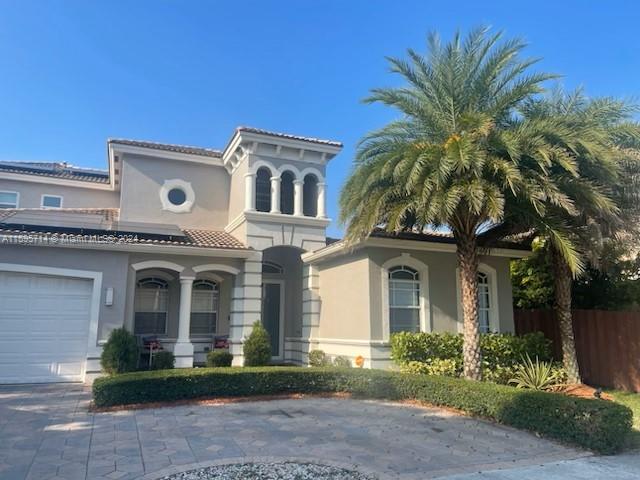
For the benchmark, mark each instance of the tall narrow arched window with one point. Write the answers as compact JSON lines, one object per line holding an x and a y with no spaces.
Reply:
{"x":484,"y":303}
{"x":263,"y":190}
{"x":286,"y":193}
{"x":310,"y":196}
{"x":205,"y":297}
{"x":150,"y":305}
{"x":404,"y":300}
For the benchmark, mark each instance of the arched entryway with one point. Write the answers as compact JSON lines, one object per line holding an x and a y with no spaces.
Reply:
{"x":281,"y":296}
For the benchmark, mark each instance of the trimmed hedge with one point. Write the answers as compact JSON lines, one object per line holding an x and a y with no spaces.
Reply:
{"x":595,"y":424}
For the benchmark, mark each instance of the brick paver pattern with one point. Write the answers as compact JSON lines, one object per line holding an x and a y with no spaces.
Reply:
{"x":48,"y":432}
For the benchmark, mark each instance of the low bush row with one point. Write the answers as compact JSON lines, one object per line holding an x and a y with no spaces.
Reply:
{"x":595,"y":424}
{"x":441,"y":353}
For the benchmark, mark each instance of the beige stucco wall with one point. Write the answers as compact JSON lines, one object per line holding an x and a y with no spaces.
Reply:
{"x":352,"y":297}
{"x":142,"y":178}
{"x":237,"y":185}
{"x":31,"y":193}
{"x":345,"y":306}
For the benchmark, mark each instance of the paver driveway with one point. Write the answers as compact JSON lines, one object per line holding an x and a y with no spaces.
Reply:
{"x":47,"y":432}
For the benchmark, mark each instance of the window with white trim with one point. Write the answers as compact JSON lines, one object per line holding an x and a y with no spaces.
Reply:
{"x":8,"y":199}
{"x":205,"y":297}
{"x":484,"y":303}
{"x":51,"y":201}
{"x":404,"y":300}
{"x":151,"y":301}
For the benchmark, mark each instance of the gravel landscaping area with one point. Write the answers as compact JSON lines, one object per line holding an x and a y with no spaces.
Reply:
{"x":270,"y":471}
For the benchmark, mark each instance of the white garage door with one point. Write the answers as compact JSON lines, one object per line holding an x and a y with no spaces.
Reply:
{"x":44,"y":327}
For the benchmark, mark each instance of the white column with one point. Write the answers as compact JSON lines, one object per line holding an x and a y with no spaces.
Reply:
{"x":246,"y":305}
{"x":275,"y":194}
{"x":183,"y":349}
{"x":297,"y":197}
{"x":249,"y":192}
{"x":322,"y":209}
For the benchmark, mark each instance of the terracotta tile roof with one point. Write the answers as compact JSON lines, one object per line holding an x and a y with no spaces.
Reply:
{"x":260,"y":131}
{"x":212,"y":239}
{"x":56,"y":170}
{"x":168,"y":147}
{"x":443,"y":237}
{"x":192,"y":237}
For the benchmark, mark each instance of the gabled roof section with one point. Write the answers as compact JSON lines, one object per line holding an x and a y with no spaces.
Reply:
{"x":260,"y":131}
{"x":60,"y":170}
{"x":167,"y":147}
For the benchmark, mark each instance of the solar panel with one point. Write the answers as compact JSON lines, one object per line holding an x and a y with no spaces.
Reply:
{"x":52,"y":220}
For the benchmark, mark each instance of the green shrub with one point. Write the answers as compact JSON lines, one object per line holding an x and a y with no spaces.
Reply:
{"x":163,"y":361}
{"x":219,"y":358}
{"x":442,"y":353}
{"x":536,"y":375}
{"x":317,"y":358}
{"x":596,"y":424}
{"x":120,"y":353}
{"x":257,"y":348}
{"x":341,"y":362}
{"x":435,"y":366}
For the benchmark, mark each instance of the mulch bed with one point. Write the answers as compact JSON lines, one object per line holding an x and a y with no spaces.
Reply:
{"x":585,"y":391}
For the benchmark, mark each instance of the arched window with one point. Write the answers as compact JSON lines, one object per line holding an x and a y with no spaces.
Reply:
{"x":263,"y":190}
{"x":205,"y":297}
{"x":150,"y":305}
{"x":271,"y":267}
{"x":310,"y":196}
{"x":286,"y":193}
{"x":404,"y":300}
{"x":484,"y":303}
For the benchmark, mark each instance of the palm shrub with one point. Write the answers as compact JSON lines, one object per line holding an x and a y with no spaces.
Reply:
{"x":120,"y":353}
{"x":459,"y":153}
{"x":537,"y":375}
{"x":257,"y":347}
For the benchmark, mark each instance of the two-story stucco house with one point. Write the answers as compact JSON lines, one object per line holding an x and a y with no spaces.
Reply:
{"x":188,"y":244}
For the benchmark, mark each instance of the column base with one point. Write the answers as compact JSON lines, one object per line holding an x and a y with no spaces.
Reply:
{"x":183,"y":352}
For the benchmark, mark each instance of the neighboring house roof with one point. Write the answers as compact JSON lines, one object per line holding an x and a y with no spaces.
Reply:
{"x":56,"y":170}
{"x":188,"y":238}
{"x":260,"y":131}
{"x":169,"y":147}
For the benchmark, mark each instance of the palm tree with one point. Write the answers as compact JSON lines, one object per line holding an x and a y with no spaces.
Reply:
{"x":604,"y":196}
{"x":459,"y":153}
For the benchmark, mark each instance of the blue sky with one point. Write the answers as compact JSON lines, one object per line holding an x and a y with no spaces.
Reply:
{"x":74,"y":73}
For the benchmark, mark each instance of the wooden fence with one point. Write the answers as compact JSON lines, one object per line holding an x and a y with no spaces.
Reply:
{"x":607,"y":343}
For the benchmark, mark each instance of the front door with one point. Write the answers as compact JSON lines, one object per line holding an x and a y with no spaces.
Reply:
{"x":273,"y":315}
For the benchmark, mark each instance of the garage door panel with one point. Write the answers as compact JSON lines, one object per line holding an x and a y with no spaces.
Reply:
{"x":44,"y":322}
{"x":13,"y":302}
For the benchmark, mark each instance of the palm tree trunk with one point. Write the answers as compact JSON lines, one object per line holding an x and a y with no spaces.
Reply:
{"x":562,"y":291}
{"x":468,"y":263}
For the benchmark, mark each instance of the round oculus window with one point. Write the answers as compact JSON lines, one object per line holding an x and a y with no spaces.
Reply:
{"x":177,"y":196}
